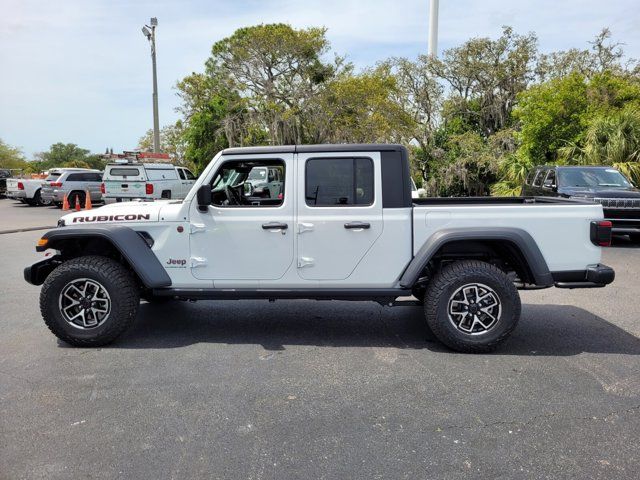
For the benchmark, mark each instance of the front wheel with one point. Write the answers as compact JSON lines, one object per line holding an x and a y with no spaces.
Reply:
{"x":471,"y":306}
{"x":89,"y":301}
{"x":635,"y":237}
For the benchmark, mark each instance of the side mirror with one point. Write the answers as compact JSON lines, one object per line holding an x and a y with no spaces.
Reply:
{"x":248,"y":189}
{"x":204,"y":197}
{"x":549,"y":185}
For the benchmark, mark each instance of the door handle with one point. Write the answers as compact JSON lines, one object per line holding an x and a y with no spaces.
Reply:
{"x":357,"y":225}
{"x":274,"y":226}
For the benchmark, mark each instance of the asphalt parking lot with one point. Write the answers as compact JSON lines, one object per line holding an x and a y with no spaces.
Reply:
{"x":305,"y":389}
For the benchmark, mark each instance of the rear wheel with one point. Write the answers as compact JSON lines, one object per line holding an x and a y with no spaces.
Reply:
{"x":37,"y":200}
{"x":89,"y":301}
{"x":471,"y":306}
{"x":635,"y":237}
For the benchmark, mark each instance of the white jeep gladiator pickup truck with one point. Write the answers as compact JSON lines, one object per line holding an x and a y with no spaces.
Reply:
{"x":344,"y":227}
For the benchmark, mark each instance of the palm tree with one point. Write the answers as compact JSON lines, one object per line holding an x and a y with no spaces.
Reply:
{"x":610,"y":140}
{"x":513,"y":170}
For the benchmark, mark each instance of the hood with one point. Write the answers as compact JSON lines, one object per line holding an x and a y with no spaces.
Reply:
{"x":125,"y":212}
{"x":602,"y":192}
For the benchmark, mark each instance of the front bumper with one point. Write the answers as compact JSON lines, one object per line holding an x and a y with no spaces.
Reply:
{"x":37,"y":273}
{"x":595,"y":276}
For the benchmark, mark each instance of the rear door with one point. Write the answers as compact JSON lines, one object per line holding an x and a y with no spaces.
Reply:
{"x":124,"y":181}
{"x":339,"y":212}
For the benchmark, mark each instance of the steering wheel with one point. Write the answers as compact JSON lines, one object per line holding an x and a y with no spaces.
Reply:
{"x":232,"y":196}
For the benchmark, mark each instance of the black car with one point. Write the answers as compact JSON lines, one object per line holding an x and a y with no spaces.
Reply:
{"x":619,"y":198}
{"x":4,"y":174}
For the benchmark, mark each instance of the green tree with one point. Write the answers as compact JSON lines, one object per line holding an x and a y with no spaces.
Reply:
{"x":485,"y":76}
{"x":172,"y":141}
{"x":610,"y":139}
{"x":361,"y":109}
{"x":11,"y":157}
{"x":557,"y":113}
{"x":66,"y":155}
{"x":274,"y":70}
{"x":603,"y":55}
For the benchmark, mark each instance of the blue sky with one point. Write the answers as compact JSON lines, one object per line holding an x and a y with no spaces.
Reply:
{"x":79,"y":70}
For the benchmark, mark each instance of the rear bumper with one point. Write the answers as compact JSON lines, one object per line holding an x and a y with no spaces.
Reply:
{"x":52,"y":195}
{"x":595,"y":276}
{"x":17,"y":195}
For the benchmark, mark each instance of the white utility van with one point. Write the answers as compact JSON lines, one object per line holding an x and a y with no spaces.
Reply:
{"x":123,"y":182}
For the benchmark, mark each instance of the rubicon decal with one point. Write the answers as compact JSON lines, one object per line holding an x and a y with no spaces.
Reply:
{"x":113,"y":218}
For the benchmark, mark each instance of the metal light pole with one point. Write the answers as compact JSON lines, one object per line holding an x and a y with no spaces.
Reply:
{"x":433,"y":28}
{"x":149,"y":31}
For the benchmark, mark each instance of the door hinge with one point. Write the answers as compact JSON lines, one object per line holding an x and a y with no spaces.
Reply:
{"x":305,"y":227}
{"x":198,"y":262}
{"x":198,"y":227}
{"x":305,"y":262}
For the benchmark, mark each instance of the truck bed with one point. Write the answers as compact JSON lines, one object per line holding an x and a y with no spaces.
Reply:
{"x":560,"y":227}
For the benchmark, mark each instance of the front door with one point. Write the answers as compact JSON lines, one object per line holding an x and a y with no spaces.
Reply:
{"x":245,"y":235}
{"x":339,"y":212}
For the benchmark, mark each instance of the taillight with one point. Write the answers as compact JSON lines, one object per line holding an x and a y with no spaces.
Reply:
{"x":149,"y":188}
{"x":601,"y":233}
{"x":103,"y":189}
{"x":56,"y":184}
{"x":20,"y":186}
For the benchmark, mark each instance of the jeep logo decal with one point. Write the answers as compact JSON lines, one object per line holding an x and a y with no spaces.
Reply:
{"x":113,"y":218}
{"x":176,"y":262}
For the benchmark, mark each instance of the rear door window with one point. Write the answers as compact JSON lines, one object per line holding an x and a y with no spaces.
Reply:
{"x":334,"y":182}
{"x":181,"y":173}
{"x":75,"y":177}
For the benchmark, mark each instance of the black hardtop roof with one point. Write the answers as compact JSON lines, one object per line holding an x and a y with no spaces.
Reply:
{"x":328,"y":147}
{"x":576,"y":166}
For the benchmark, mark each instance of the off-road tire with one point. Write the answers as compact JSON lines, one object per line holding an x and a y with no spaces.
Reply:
{"x":443,"y":286}
{"x":114,"y":277}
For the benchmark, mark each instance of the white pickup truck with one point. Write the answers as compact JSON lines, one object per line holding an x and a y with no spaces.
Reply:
{"x":123,"y":182}
{"x":344,"y":227}
{"x":26,"y":190}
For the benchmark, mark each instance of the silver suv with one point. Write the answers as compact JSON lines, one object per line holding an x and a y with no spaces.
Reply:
{"x":74,"y":182}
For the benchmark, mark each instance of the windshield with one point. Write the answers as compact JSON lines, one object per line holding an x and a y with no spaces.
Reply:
{"x":592,"y":177}
{"x":257,"y":174}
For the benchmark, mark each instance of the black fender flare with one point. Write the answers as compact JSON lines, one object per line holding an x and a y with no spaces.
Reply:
{"x":516,"y":236}
{"x":129,"y":243}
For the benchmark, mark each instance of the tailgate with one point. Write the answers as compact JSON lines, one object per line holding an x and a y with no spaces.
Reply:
{"x":125,"y":189}
{"x":12,"y":184}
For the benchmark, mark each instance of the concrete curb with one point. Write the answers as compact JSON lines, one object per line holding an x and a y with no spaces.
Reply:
{"x":27,"y":229}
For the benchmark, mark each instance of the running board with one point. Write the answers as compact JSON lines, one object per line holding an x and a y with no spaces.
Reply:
{"x":383,"y":296}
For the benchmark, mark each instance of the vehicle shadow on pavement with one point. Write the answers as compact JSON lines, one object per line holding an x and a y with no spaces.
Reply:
{"x":550,"y":330}
{"x":623,"y":242}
